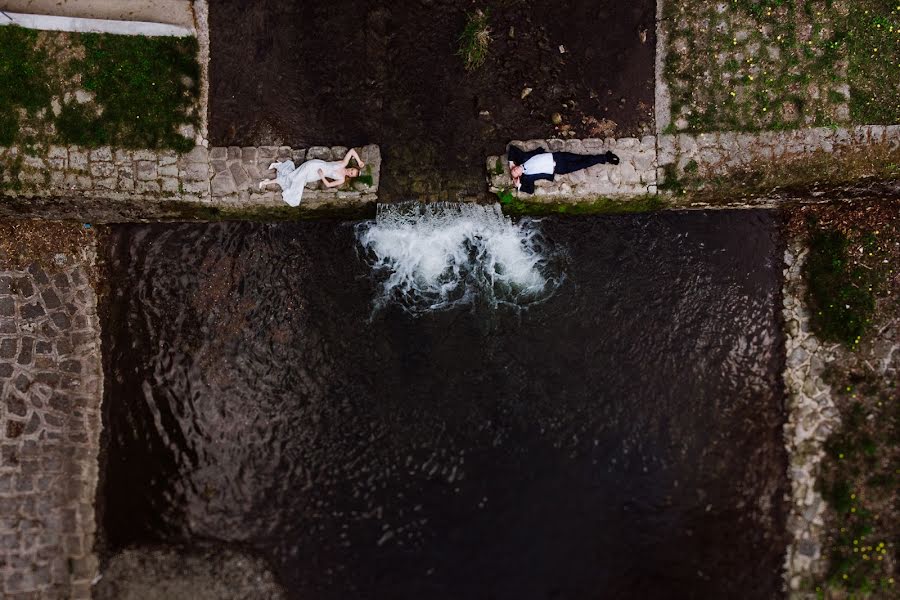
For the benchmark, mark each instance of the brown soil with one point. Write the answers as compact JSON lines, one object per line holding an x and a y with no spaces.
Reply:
{"x":25,"y":242}
{"x":352,"y":72}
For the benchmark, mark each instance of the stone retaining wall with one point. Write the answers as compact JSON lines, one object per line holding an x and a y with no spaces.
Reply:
{"x":51,"y":383}
{"x":717,"y":154}
{"x":812,"y":417}
{"x":219,"y":176}
{"x":646,"y":163}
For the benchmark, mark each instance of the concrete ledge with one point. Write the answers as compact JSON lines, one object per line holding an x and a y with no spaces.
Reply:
{"x":173,"y":12}
{"x":85,"y":25}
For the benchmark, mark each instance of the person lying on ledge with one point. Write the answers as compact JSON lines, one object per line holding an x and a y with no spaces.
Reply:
{"x":293,"y":179}
{"x":528,"y":167}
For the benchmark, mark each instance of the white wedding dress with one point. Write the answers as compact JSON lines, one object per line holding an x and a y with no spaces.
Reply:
{"x":293,"y":179}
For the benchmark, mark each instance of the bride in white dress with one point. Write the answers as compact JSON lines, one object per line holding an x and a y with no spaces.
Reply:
{"x":293,"y":179}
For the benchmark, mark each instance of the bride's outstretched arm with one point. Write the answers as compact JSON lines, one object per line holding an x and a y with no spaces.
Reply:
{"x":352,"y":154}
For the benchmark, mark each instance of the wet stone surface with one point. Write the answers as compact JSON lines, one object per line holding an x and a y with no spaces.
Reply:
{"x":50,"y":381}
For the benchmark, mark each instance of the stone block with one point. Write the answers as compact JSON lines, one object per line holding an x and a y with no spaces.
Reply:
{"x":218,"y":165}
{"x":338,"y":152}
{"x":196,"y":172}
{"x":666,"y":152}
{"x":196,"y":187}
{"x":33,"y":162}
{"x":876,"y":134}
{"x":104,"y":153}
{"x":219,"y":153}
{"x":105,"y":183}
{"x":170,"y":185}
{"x":146,"y":170}
{"x":298,"y":155}
{"x":644,"y":161}
{"x":123,"y":156}
{"x":102,"y":169}
{"x":198,"y":154}
{"x":167,"y":157}
{"x":241,"y":179}
{"x":223,"y":184}
{"x":627,"y":143}
{"x":83,"y":182}
{"x":145,"y":155}
{"x":78,"y":160}
{"x":576,"y":146}
{"x":318,"y":152}
{"x":147,"y":187}
{"x":555,"y":145}
{"x":594,"y":145}
{"x":249,"y":155}
{"x":170,"y":170}
{"x":58,"y":152}
{"x":266,"y":153}
{"x":686,"y":144}
{"x":284,"y":152}
{"x":125,"y":183}
{"x":56,"y":164}
{"x":234,"y":153}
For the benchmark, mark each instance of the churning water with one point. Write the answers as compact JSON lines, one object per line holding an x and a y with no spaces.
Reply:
{"x":430,"y":256}
{"x":620,"y":439}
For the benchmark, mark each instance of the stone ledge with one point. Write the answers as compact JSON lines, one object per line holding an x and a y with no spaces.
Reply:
{"x":215,"y":177}
{"x":635,"y":175}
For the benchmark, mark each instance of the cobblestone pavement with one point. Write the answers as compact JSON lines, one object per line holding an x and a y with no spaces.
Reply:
{"x":753,"y":65}
{"x":218,"y":176}
{"x":648,"y":163}
{"x":51,"y":379}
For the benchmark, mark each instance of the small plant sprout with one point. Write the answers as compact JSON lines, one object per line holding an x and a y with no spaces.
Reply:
{"x":475,"y":39}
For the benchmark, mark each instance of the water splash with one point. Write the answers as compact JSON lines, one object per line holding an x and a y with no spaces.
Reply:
{"x":432,"y":256}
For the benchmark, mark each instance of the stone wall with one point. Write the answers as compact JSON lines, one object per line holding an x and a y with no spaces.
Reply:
{"x":704,"y":158}
{"x":635,"y":175}
{"x":51,"y":379}
{"x":219,"y":176}
{"x":709,"y":155}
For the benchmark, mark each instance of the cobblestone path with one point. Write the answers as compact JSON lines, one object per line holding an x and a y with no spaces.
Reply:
{"x":51,"y":380}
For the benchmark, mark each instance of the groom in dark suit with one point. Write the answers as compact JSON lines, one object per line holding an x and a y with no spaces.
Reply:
{"x":528,"y":167}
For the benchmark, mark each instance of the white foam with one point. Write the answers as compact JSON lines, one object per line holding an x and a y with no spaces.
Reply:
{"x":437,"y":255}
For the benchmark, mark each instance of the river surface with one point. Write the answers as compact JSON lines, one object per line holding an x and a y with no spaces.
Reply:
{"x":616,"y":432}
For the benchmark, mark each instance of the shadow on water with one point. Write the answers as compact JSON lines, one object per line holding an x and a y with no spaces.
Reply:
{"x":620,"y":439}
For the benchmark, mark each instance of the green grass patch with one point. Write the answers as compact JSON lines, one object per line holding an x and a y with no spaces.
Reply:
{"x":861,"y":460}
{"x":874,"y":61}
{"x":840,"y":293}
{"x":475,"y":39}
{"x":365,"y":178}
{"x":143,"y":89}
{"x":146,"y":86}
{"x":23,"y":79}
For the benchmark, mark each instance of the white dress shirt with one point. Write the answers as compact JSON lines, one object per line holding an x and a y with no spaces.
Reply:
{"x":540,"y":164}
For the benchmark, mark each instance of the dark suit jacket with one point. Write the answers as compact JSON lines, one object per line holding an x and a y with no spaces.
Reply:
{"x":519,"y":156}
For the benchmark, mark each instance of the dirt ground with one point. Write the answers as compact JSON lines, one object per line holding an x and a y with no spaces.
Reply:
{"x":352,"y":72}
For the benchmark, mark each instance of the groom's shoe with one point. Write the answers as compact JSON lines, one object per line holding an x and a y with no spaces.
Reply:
{"x":611,"y":158}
